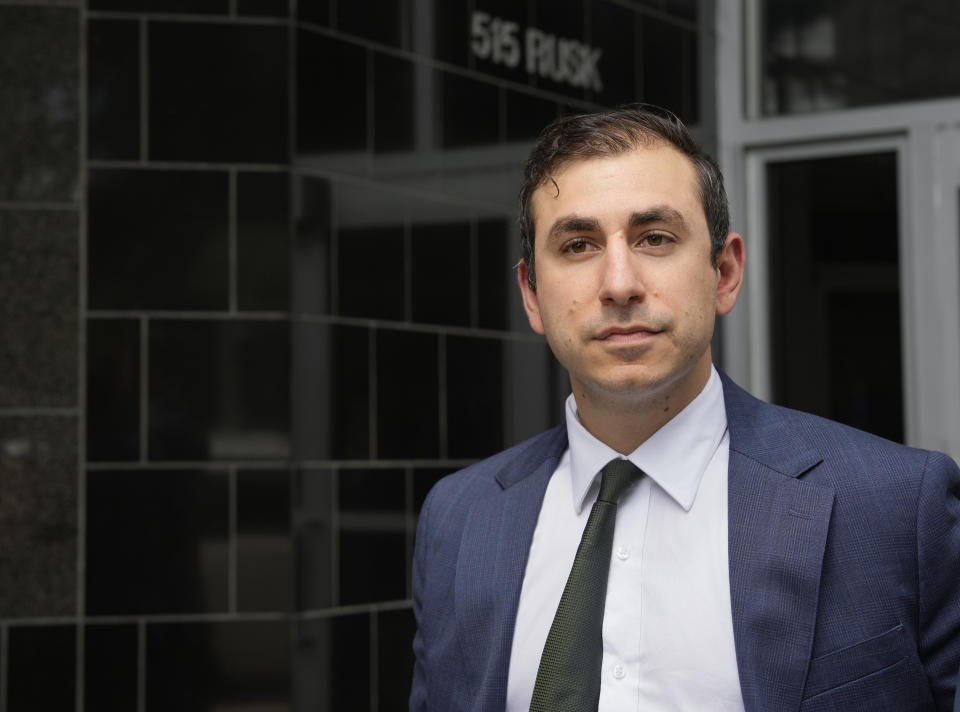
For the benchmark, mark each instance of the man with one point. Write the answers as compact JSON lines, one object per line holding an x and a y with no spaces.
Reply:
{"x":750,"y":557}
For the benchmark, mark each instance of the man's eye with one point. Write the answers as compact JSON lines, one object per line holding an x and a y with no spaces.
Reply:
{"x":655,"y":239}
{"x":577,"y":246}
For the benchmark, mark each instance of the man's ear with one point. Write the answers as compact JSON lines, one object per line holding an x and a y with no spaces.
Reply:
{"x":530,"y":302}
{"x":730,"y":265}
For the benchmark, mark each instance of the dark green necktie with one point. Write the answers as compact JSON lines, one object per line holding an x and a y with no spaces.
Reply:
{"x":569,"y":676}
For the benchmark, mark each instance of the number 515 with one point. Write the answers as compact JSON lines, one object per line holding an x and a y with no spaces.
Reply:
{"x":495,"y":39}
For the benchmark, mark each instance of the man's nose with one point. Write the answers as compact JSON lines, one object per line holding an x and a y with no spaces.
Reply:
{"x":621,"y":281}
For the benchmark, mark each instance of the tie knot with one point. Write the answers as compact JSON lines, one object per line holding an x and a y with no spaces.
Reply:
{"x":615,"y":477}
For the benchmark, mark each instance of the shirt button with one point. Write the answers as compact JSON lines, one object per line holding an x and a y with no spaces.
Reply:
{"x":618,"y":672}
{"x":623,"y":553}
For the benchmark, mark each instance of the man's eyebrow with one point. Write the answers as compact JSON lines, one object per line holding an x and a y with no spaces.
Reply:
{"x":572,"y":223}
{"x":658,"y":214}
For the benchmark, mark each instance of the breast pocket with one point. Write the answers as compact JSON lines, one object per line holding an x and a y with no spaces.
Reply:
{"x":880,"y":673}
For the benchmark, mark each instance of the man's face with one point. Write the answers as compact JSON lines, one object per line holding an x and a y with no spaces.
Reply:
{"x":626,"y":290}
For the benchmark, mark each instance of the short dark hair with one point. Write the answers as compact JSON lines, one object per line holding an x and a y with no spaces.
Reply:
{"x":610,"y":133}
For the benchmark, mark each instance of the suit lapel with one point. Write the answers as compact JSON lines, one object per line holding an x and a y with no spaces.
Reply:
{"x":777,"y":531}
{"x":490,"y":567}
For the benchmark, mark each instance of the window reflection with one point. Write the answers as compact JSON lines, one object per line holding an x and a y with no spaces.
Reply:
{"x":819,"y":55}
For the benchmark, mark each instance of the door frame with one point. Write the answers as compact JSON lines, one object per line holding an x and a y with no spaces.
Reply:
{"x":757,"y":227}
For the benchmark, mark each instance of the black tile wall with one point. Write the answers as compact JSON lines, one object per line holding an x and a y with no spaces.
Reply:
{"x":451,"y":22}
{"x":158,"y":239}
{"x":535,"y":388}
{"x":330,"y":73}
{"x":619,"y":27}
{"x":362,"y":491}
{"x":316,"y":12}
{"x":330,"y":403}
{"x":495,"y":270}
{"x":264,"y":8}
{"x":686,"y":9}
{"x":370,"y":272}
{"x":200,"y":7}
{"x":40,"y":118}
{"x":563,"y":18}
{"x":263,"y":241}
{"x":372,"y":566}
{"x":471,"y":111}
{"x":408,"y":394}
{"x":527,"y":115}
{"x":219,"y":390}
{"x":204,"y":666}
{"x":157,"y":541}
{"x":113,"y":89}
{"x":395,"y":630}
{"x":38,"y":516}
{"x":350,"y":392}
{"x":218,"y":92}
{"x":110,"y":667}
{"x":393,"y":110}
{"x":519,"y":12}
{"x":474,"y":396}
{"x":314,"y":505}
{"x":668,"y":46}
{"x":332,"y":663}
{"x":41,"y":664}
{"x":440,"y":273}
{"x":263,"y":541}
{"x":113,"y":389}
{"x":373,"y":536}
{"x":377,"y":20}
{"x":38,"y":311}
{"x":310,"y":270}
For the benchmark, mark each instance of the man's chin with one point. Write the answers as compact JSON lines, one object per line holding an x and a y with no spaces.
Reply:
{"x":634,"y":386}
{"x":628,"y":388}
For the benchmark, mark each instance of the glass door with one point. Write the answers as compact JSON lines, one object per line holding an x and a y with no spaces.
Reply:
{"x":835,"y":289}
{"x":827,"y":264}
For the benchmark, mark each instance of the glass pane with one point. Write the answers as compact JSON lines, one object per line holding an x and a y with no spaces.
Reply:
{"x":218,"y":92}
{"x":820,"y":55}
{"x":218,"y":665}
{"x":41,"y":665}
{"x":835,"y":291}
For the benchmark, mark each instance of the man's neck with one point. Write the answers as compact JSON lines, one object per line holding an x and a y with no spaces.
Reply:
{"x":625,"y":421}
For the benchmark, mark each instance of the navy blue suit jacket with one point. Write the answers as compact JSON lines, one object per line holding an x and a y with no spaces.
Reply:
{"x":844,"y":557}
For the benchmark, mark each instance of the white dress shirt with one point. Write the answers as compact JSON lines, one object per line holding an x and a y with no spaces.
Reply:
{"x":667,"y":628}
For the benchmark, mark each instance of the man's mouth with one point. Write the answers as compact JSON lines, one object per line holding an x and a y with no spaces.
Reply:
{"x":626,"y":334}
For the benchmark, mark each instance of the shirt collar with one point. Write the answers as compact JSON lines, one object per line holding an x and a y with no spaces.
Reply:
{"x":675,"y":457}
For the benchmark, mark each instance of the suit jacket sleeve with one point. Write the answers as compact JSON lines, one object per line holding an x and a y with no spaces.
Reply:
{"x":938,"y":557}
